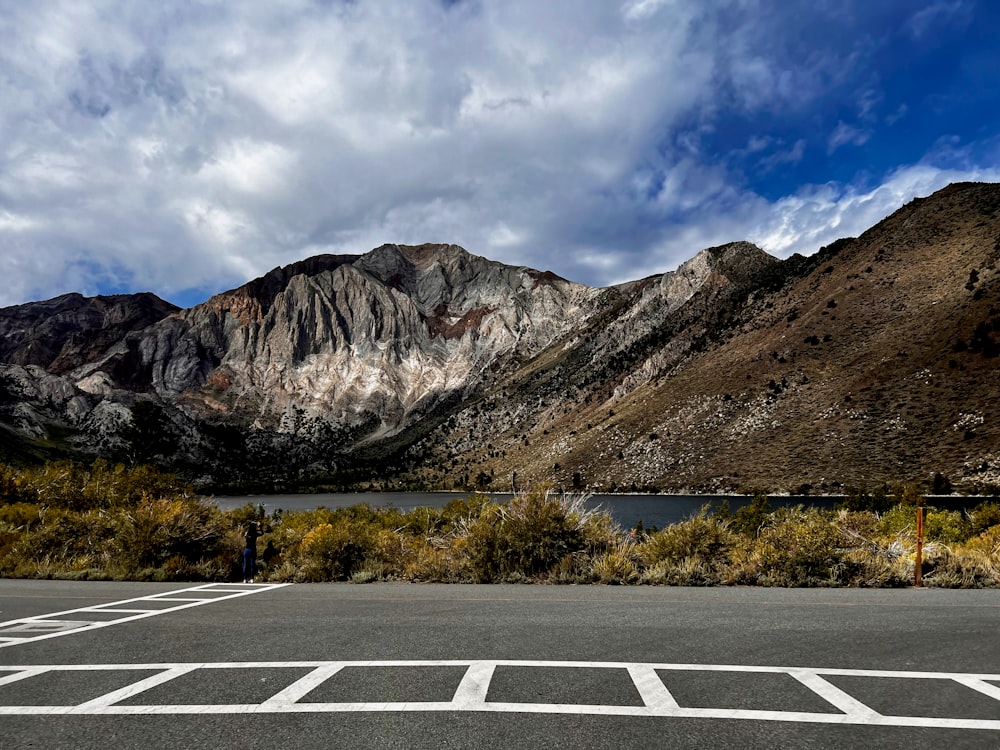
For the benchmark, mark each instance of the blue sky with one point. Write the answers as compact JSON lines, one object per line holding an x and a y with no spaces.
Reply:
{"x":186,"y":147}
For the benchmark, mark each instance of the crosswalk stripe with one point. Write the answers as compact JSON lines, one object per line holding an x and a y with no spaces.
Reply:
{"x":41,"y":627}
{"x":472,"y":692}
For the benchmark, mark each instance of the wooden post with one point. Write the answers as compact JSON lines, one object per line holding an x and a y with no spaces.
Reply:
{"x":918,"y":579}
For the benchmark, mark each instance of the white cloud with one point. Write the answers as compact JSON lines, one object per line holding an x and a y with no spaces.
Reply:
{"x":640,"y":10}
{"x":818,"y":215}
{"x":925,"y":19}
{"x":192,"y":146}
{"x":251,"y":166}
{"x":13,"y":223}
{"x":847,"y":135}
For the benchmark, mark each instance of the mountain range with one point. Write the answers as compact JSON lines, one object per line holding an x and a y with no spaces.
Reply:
{"x":873,"y":360}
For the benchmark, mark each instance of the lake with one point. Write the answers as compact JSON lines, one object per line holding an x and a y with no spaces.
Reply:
{"x":627,"y":510}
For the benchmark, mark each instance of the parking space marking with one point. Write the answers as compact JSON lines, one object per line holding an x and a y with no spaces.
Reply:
{"x":832,"y":694}
{"x":472,"y":692}
{"x":53,"y":625}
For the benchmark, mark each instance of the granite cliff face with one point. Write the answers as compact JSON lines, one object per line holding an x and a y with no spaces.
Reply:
{"x":384,"y":335}
{"x":68,"y":331}
{"x":434,"y":367}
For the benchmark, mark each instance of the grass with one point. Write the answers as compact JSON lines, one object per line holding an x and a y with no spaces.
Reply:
{"x":118,"y":523}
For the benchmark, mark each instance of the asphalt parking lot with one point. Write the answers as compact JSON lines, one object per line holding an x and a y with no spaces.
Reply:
{"x":85,"y":664}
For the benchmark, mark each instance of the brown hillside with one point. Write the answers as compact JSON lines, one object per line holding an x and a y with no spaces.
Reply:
{"x":879,"y":365}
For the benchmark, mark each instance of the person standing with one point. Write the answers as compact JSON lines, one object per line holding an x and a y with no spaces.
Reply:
{"x":250,"y":553}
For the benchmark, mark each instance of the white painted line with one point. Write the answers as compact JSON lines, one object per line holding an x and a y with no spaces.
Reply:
{"x":474,"y":687}
{"x":531,"y":708}
{"x":834,"y":695}
{"x":651,"y":688}
{"x":180,"y":603}
{"x":303,"y":686}
{"x":34,"y":627}
{"x":983,"y":687}
{"x":134,"y":689}
{"x":21,"y":675}
{"x":314,"y":663}
{"x":471,"y":691}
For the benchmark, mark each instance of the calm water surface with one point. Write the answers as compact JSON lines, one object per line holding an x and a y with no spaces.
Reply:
{"x":628,"y":510}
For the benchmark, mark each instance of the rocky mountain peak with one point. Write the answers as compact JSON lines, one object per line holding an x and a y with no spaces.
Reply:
{"x":251,"y":301}
{"x":736,"y":263}
{"x":873,"y":359}
{"x":61,"y":333}
{"x":424,"y":256}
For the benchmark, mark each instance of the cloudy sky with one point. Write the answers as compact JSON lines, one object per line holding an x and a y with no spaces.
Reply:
{"x":187,"y":147}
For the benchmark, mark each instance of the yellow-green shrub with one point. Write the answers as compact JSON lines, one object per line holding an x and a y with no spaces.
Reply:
{"x":155,"y":530}
{"x":798,"y":547}
{"x":617,"y":565}
{"x":703,"y":537}
{"x":521,"y":539}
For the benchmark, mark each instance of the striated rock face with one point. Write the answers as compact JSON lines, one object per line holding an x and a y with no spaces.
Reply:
{"x":389,"y":333}
{"x":873,"y":360}
{"x":668,"y":302}
{"x":68,"y":331}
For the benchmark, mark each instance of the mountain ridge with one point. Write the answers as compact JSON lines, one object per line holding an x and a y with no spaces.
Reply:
{"x":430,"y":366}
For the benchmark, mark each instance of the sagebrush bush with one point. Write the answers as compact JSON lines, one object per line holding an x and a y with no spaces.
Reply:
{"x":426,"y":561}
{"x":703,"y":538}
{"x":987,"y":542}
{"x":522,"y":538}
{"x":72,"y":486}
{"x":156,"y":530}
{"x":61,"y":536}
{"x":105,"y":521}
{"x":335,"y":551}
{"x":960,"y":567}
{"x":688,"y":571}
{"x":983,"y":517}
{"x":574,"y":568}
{"x":617,"y":565}
{"x":798,"y":547}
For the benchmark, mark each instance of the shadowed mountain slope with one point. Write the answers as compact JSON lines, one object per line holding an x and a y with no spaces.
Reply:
{"x":873,"y":360}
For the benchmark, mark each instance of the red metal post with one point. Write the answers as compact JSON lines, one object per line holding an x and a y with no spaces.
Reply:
{"x":917,"y":572}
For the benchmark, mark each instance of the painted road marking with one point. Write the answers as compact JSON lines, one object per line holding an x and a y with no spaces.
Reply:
{"x":472,"y":692}
{"x":40,"y":627}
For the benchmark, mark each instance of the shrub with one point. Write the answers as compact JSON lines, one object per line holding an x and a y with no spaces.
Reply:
{"x":21,"y":516}
{"x":946,"y":526}
{"x":703,"y":537}
{"x":750,"y":518}
{"x":984,"y":516}
{"x":964,"y":566}
{"x":897,"y":520}
{"x":617,"y":565}
{"x":988,"y":542}
{"x":426,"y":561}
{"x":156,"y":530}
{"x":64,"y":484}
{"x":63,"y":538}
{"x":335,"y":551}
{"x":574,"y":568}
{"x":12,"y":486}
{"x":871,"y":568}
{"x":523,"y":538}
{"x":798,"y":547}
{"x":689,"y":571}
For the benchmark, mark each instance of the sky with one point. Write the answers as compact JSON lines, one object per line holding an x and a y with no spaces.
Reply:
{"x":185,"y":148}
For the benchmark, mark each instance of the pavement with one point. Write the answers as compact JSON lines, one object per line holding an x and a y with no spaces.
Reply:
{"x":88,"y":664}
